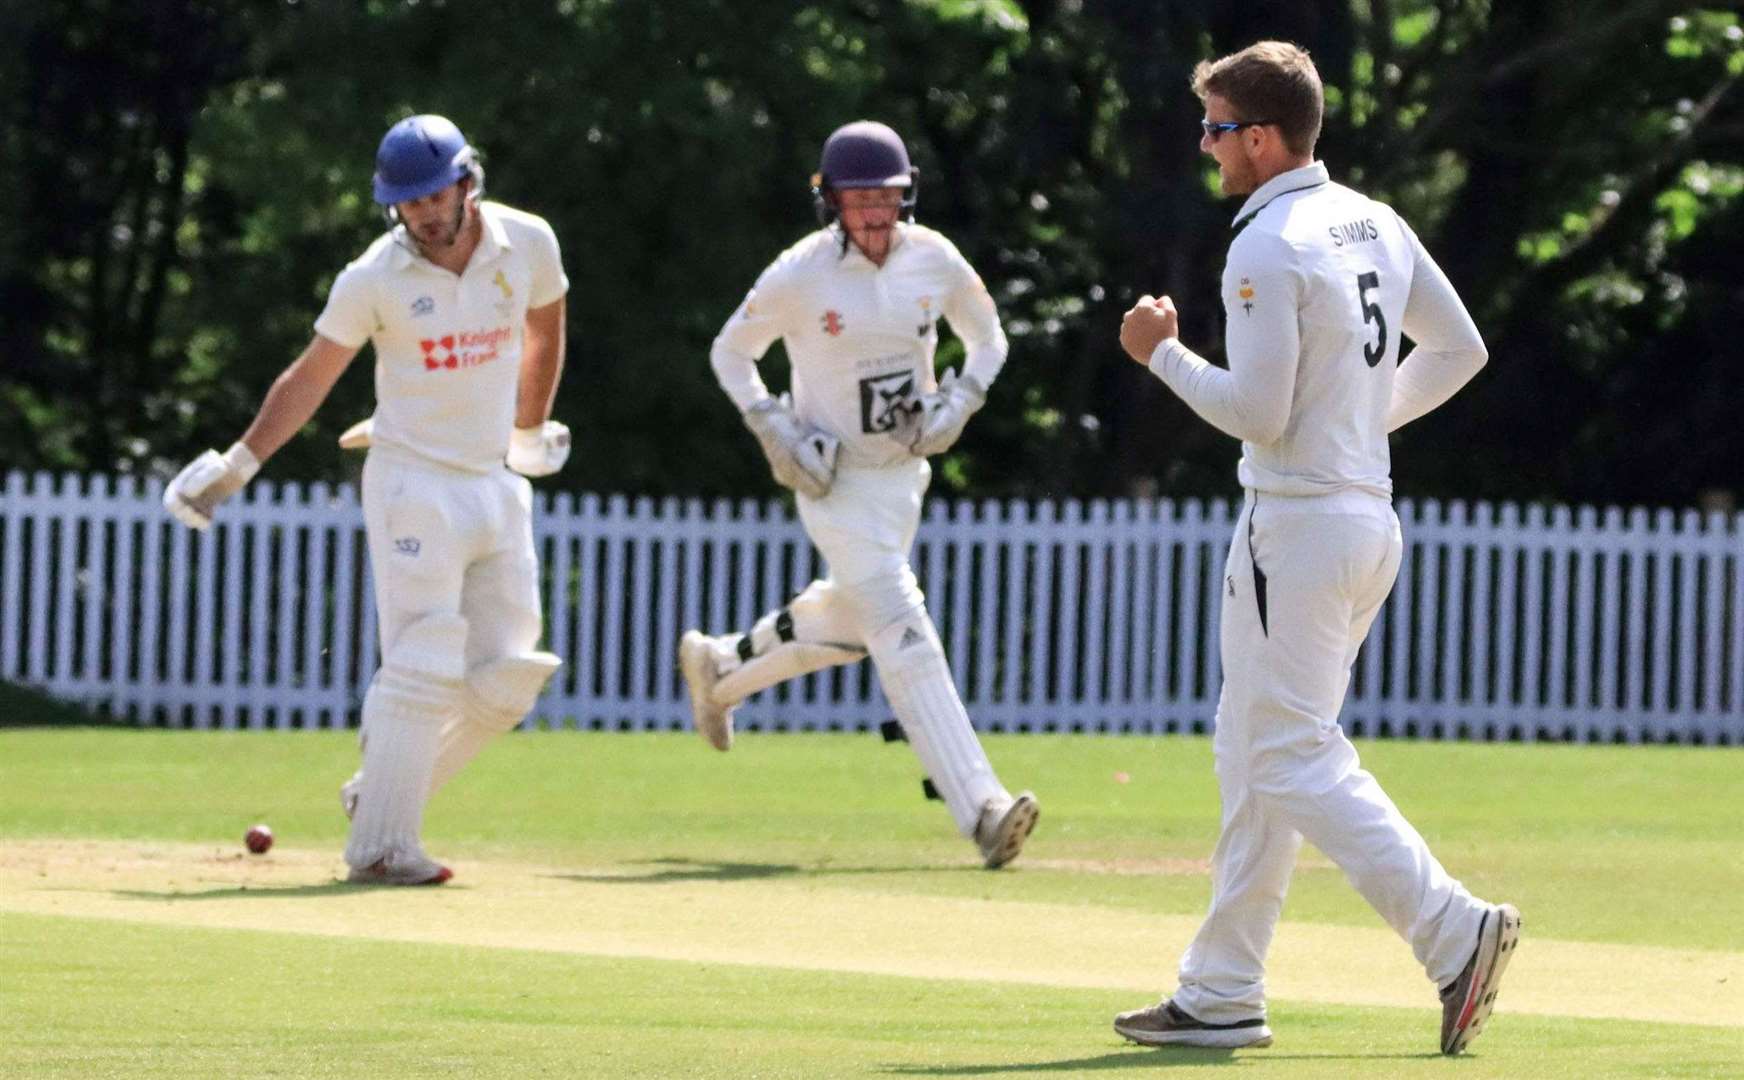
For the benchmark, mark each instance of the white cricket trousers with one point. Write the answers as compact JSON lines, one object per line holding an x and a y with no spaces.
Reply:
{"x":443,"y":541}
{"x":1302,"y":584}
{"x":864,"y":528}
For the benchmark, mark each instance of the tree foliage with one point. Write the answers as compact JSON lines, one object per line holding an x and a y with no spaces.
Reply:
{"x":189,"y":175}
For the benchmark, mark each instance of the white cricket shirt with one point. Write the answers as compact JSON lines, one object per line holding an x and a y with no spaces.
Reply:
{"x":860,"y":337}
{"x":1320,"y":283}
{"x":447,"y":346}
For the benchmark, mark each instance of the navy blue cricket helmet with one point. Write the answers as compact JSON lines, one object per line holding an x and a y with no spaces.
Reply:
{"x":863,"y":154}
{"x":419,"y":156}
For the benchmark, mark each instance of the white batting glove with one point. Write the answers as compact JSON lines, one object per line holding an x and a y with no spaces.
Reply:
{"x":539,"y":451}
{"x":193,"y":496}
{"x":800,"y":456}
{"x":945,"y":411}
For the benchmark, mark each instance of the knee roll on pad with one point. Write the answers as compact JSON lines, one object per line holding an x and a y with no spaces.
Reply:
{"x":513,"y":683}
{"x":881,"y":601}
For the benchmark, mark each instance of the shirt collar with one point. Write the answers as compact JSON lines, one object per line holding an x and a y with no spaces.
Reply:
{"x":493,"y":240}
{"x":1307,"y":176}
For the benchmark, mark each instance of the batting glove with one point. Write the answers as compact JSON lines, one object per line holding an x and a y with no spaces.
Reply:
{"x":800,"y":456}
{"x":193,"y":496}
{"x":945,"y":411}
{"x":539,"y":451}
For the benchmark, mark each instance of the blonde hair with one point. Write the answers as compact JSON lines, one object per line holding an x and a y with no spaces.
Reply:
{"x":1270,"y":81}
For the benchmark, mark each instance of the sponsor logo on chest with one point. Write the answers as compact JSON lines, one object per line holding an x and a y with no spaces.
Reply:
{"x":467,"y":349}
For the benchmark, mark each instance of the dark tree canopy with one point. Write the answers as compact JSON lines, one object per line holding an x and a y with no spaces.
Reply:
{"x":187,"y":176}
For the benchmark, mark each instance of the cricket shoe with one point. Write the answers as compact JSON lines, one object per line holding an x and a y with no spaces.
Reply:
{"x":696,"y":660}
{"x":1166,"y":1024}
{"x":401,"y":869}
{"x":1005,"y":824}
{"x":1466,"y":1001}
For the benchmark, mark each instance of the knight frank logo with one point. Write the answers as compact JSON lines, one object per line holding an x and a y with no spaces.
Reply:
{"x":467,"y":349}
{"x":887,"y":401}
{"x":444,"y":358}
{"x":832,"y":322}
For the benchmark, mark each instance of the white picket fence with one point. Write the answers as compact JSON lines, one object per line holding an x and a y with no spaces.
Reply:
{"x":1095,"y":616}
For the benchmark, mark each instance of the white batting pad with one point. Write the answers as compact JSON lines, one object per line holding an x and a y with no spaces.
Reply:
{"x":417,"y":691}
{"x":814,"y":631}
{"x":912,"y":669}
{"x":498,"y":695}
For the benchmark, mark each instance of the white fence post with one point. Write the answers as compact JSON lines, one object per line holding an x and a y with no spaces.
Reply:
{"x":1565,"y":622}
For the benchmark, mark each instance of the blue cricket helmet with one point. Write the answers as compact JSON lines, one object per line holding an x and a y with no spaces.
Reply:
{"x":419,"y":156}
{"x":863,"y":154}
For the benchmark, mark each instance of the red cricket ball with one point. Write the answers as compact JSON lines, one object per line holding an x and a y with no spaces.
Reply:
{"x":259,"y":839}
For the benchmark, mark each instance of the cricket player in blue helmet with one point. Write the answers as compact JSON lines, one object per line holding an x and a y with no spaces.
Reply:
{"x":463,"y":302}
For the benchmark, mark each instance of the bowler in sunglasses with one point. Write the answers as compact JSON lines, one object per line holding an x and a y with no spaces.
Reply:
{"x":1321,"y":286}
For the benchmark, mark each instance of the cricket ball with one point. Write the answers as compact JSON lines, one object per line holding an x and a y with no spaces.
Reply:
{"x":259,"y":839}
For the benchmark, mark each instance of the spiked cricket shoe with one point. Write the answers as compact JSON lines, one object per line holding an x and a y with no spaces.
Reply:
{"x":1466,"y":1002}
{"x":696,"y":660}
{"x":401,"y":869}
{"x":1004,"y":826}
{"x":1165,"y":1024}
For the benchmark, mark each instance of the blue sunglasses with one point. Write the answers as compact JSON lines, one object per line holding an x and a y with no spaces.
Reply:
{"x":1214,"y":128}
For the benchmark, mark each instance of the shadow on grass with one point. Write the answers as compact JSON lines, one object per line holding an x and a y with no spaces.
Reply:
{"x":706,"y":870}
{"x":1139,"y":1058}
{"x":266,"y":892}
{"x":1127,"y":1059}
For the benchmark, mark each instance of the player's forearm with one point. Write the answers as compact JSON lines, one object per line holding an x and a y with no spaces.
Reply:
{"x":984,"y":361}
{"x":1253,"y":407}
{"x":540,"y":372}
{"x":1449,"y":348}
{"x":542,"y":350}
{"x":1429,"y":377}
{"x":290,"y":403}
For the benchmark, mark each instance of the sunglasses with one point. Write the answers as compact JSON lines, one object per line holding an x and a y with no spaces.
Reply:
{"x":1214,"y":128}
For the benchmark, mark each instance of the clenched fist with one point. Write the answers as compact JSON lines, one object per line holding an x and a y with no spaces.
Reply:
{"x":1150,"y":322}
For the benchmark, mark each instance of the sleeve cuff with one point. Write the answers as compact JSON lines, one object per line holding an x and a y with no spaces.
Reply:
{"x":1160,"y":356}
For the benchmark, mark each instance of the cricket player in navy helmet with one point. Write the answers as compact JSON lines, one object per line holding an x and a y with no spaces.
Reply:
{"x":464,"y":302}
{"x":1320,"y":284}
{"x":857,"y":304}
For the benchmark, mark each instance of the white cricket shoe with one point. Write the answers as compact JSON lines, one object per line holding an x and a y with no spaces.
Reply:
{"x":697,"y":661}
{"x":1005,"y":824}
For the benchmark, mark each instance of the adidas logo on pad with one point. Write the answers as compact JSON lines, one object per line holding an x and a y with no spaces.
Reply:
{"x":910,"y":636}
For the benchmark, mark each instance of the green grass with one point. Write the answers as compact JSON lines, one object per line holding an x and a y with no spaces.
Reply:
{"x":1626,"y":846}
{"x":1562,"y":831}
{"x":94,"y":1000}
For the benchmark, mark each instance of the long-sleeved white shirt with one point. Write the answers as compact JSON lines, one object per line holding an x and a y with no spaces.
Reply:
{"x":1320,"y":282}
{"x":860,"y":337}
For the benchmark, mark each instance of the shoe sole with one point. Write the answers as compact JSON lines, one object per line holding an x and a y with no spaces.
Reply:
{"x":1496,"y":947}
{"x":1015,"y":828}
{"x":1205,"y":1038}
{"x":710,"y":720}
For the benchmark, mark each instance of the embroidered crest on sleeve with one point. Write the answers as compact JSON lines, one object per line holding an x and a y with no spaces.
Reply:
{"x":1246,"y":292}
